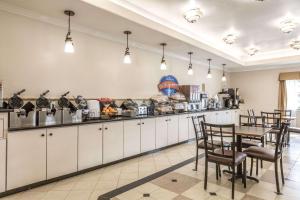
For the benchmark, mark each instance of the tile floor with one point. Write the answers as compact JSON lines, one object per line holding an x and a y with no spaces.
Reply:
{"x":91,"y":185}
{"x":181,"y":184}
{"x":186,"y":184}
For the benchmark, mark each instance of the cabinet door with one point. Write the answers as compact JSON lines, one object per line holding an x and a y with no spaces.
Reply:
{"x":26,"y":158}
{"x":2,"y":164}
{"x":112,"y":141}
{"x":183,"y":128}
{"x":191,"y":126}
{"x":61,"y":151}
{"x":132,"y":137}
{"x":227,"y":117}
{"x":161,"y":127}
{"x":89,"y":146}
{"x":236,"y":117}
{"x":147,"y":135}
{"x":1,"y":128}
{"x":172,"y":129}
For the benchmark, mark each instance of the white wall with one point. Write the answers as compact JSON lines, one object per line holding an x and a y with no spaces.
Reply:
{"x":32,"y":57}
{"x":259,"y":88}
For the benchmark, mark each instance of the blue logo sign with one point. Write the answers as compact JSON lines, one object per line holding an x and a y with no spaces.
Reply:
{"x":168,"y":85}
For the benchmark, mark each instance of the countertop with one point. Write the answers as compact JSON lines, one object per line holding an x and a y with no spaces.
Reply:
{"x":93,"y":121}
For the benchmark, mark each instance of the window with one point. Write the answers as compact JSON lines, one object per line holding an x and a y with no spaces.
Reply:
{"x":293,"y":94}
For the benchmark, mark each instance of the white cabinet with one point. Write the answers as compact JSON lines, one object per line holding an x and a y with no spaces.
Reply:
{"x":132,"y":137}
{"x":3,"y":125}
{"x":227,"y":117}
{"x":161,"y":127}
{"x":112,"y":141}
{"x":61,"y":151}
{"x":89,"y":146}
{"x":172,"y":122}
{"x":183,"y":128}
{"x":1,"y":128}
{"x":2,"y":164}
{"x":26,"y":158}
{"x":236,"y":116}
{"x":147,"y":134}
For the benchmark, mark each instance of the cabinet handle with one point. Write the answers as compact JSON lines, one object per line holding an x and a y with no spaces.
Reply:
{"x":170,"y":120}
{"x":50,"y":134}
{"x":105,"y":128}
{"x":143,"y":123}
{"x":43,"y":135}
{"x":138,"y":124}
{"x":100,"y":129}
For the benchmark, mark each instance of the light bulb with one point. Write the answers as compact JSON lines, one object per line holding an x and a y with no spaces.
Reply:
{"x":127,"y":59}
{"x":209,"y":75}
{"x":69,"y":47}
{"x":224,"y":78}
{"x":190,"y":71}
{"x":163,"y":65}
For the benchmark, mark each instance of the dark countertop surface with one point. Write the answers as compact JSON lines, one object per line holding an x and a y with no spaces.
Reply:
{"x":5,"y":110}
{"x":93,"y":121}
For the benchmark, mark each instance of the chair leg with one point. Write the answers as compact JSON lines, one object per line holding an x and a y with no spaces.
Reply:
{"x":220,"y":174}
{"x":276,"y":177}
{"x":233,"y":182}
{"x":256,"y":166}
{"x":205,"y":176}
{"x":289,"y":137}
{"x":251,"y":168}
{"x":196,"y":167}
{"x":261,"y":164}
{"x":245,"y":173}
{"x":217,"y":171}
{"x":282,"y":175}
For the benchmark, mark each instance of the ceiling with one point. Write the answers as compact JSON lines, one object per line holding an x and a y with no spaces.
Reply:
{"x":156,"y":21}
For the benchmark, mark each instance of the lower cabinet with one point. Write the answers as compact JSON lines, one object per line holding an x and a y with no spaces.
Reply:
{"x":2,"y":164}
{"x":26,"y":158}
{"x":61,"y":151}
{"x":89,"y":146}
{"x":112,"y":141}
{"x":172,"y":129}
{"x":132,"y":137}
{"x":183,"y":128}
{"x":147,"y":134}
{"x":161,"y":128}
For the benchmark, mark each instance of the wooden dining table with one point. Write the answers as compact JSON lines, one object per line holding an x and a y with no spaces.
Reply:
{"x":245,"y":131}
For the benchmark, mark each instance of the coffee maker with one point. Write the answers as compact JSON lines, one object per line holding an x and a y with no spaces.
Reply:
{"x":192,"y":94}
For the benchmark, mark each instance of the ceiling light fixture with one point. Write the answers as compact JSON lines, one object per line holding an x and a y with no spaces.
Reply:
{"x":224,"y":76}
{"x":295,"y":44}
{"x":69,"y":46}
{"x":190,"y":68}
{"x":193,"y":15}
{"x":230,"y":38}
{"x":252,"y":50}
{"x":127,"y":59}
{"x":163,"y":64}
{"x":287,"y":25}
{"x":209,"y":75}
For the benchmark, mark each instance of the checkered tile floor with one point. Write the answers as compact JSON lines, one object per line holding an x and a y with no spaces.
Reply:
{"x":186,"y":184}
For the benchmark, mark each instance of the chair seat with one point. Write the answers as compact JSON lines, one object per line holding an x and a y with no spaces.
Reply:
{"x":261,"y":153}
{"x":239,"y":157}
{"x":216,"y":144}
{"x":294,"y":129}
{"x":249,"y":143}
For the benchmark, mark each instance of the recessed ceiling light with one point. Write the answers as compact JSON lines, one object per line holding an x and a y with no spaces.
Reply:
{"x":288,"y":24}
{"x":230,"y":38}
{"x":295,"y":44}
{"x":193,"y":15}
{"x":252,"y":50}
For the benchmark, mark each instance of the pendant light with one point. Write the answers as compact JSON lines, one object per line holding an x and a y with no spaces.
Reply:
{"x":127,"y":59}
{"x":224,"y":77}
{"x":190,"y":69}
{"x":69,"y":46}
{"x":209,"y":72}
{"x":163,"y":64}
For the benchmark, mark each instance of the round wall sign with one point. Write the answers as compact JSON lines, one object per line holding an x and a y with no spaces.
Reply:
{"x":168,"y":85}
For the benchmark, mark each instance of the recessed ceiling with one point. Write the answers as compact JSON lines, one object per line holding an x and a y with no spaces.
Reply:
{"x":256,"y":23}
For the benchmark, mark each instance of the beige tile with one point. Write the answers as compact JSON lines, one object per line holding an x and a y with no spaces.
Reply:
{"x":197,"y":191}
{"x":33,"y":195}
{"x":85,"y":185}
{"x":63,"y":186}
{"x":78,"y":195}
{"x":56,"y":195}
{"x":106,"y":185}
{"x":263,"y":190}
{"x":249,"y":197}
{"x":163,"y":194}
{"x":132,"y":195}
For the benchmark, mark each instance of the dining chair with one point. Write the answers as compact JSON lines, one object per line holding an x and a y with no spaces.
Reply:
{"x":272,"y":120}
{"x":271,"y":155}
{"x":200,"y":141}
{"x":253,"y":141}
{"x":222,"y":156}
{"x":285,"y":113}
